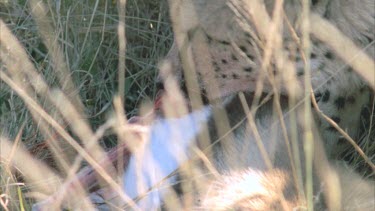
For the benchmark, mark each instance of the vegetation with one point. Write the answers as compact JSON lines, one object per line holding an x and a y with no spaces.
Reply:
{"x":86,"y":33}
{"x":78,"y":42}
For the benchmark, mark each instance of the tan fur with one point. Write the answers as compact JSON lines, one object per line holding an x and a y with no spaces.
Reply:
{"x":232,"y":56}
{"x":254,"y":190}
{"x":235,"y":44}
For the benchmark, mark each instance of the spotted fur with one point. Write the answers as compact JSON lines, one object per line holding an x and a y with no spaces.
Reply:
{"x":235,"y":52}
{"x":227,"y":52}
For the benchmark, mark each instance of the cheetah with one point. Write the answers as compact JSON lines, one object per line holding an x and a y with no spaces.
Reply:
{"x":244,"y":181}
{"x":232,"y":58}
{"x":223,"y":44}
{"x":235,"y":53}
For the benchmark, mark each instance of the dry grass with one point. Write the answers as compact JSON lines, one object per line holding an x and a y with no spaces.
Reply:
{"x":71,"y":45}
{"x":62,"y":96}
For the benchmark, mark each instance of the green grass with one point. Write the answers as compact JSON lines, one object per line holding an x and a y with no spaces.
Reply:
{"x":91,"y":54}
{"x":86,"y":31}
